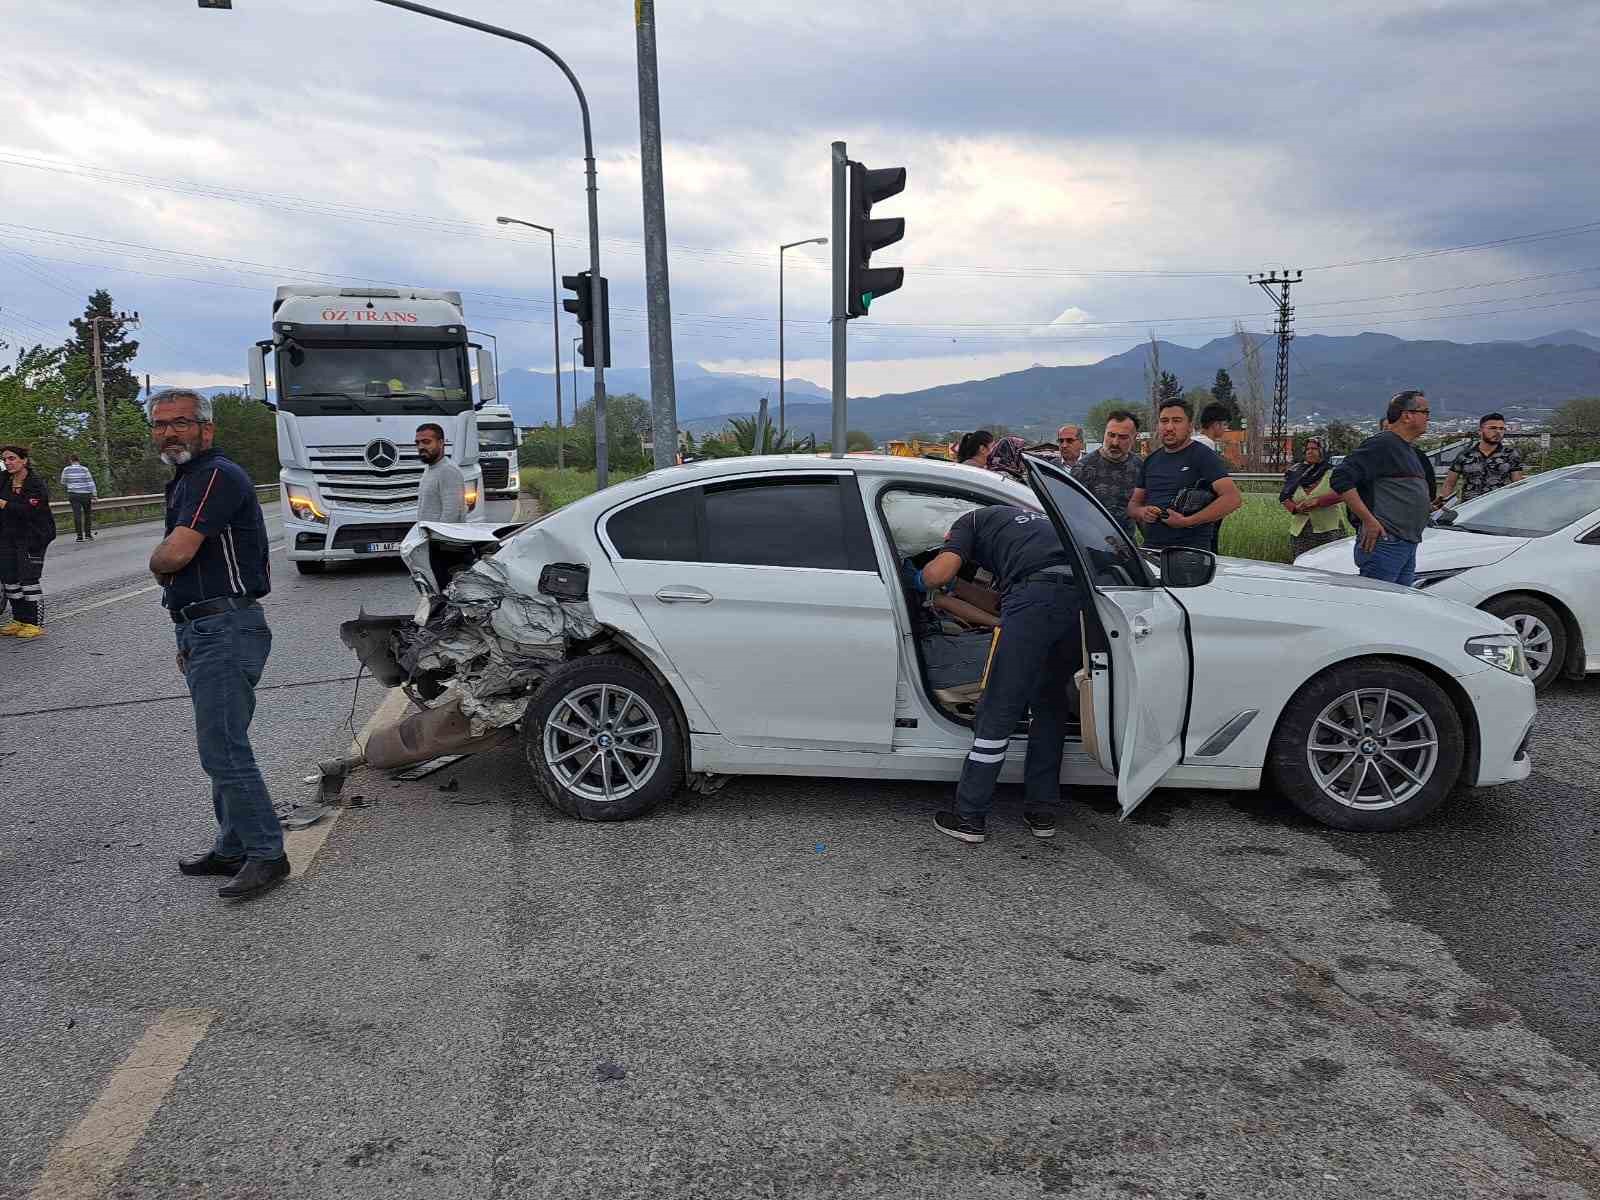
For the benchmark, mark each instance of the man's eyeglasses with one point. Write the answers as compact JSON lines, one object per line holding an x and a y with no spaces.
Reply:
{"x":1422,"y":412}
{"x":180,"y":425}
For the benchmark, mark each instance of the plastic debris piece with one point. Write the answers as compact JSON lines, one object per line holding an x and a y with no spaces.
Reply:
{"x":450,"y":785}
{"x":608,"y":1072}
{"x":423,"y":770}
{"x":820,"y":847}
{"x":303,"y":816}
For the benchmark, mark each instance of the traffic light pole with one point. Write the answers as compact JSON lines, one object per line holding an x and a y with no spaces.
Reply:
{"x":841,"y":300}
{"x":594,"y":205}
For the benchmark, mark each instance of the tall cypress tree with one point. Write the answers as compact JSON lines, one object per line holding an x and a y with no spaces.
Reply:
{"x":1222,"y":391}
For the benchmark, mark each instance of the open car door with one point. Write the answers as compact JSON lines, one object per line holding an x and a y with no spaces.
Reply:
{"x":1146,"y":637}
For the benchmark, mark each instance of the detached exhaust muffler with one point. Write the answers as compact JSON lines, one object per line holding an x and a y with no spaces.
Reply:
{"x":413,"y":739}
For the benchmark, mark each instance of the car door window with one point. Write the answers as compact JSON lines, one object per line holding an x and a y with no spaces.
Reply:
{"x":663,"y":528}
{"x":1112,"y":559}
{"x":812,"y":522}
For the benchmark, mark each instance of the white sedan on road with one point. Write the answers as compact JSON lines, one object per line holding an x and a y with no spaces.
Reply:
{"x":748,"y":617}
{"x":1528,"y":553}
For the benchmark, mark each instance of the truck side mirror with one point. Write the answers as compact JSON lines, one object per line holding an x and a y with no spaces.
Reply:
{"x":258,"y":374}
{"x":488,"y":386}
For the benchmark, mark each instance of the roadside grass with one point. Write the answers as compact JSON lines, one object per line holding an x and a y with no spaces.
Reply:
{"x":1258,"y":530}
{"x":555,"y":488}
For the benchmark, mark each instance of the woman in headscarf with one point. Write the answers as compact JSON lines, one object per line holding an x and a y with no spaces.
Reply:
{"x":1315,"y":511}
{"x":1005,"y":458}
{"x":973,"y":448}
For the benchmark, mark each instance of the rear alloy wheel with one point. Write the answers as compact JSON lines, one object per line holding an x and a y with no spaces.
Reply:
{"x":1370,"y":746}
{"x":603,"y":739}
{"x":1543,"y":634}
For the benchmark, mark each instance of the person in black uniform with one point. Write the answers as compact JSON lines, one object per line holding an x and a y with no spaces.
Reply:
{"x":27,"y":527}
{"x":1038,"y":652}
{"x":213,"y":565}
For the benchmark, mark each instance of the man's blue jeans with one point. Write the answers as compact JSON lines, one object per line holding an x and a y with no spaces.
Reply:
{"x":224,"y":657}
{"x":1392,"y":559}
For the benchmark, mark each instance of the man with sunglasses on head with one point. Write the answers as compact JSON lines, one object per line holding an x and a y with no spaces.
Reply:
{"x":1385,"y":486}
{"x":213,"y":567}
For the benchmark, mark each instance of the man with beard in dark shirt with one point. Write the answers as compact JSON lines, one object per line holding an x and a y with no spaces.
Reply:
{"x":1387,"y":485}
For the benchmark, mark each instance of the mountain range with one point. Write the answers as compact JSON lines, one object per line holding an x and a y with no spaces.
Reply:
{"x":1329,"y":378}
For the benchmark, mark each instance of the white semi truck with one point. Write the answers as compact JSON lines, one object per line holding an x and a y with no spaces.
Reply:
{"x":356,"y":370}
{"x":497,"y":452}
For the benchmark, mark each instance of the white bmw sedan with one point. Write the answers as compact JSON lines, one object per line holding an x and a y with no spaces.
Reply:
{"x":749,"y":617}
{"x":1528,"y":553}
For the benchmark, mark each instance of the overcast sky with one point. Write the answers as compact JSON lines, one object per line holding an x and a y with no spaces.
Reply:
{"x":1079,"y":174}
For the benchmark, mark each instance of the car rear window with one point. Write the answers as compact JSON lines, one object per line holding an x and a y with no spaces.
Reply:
{"x":662,"y":528}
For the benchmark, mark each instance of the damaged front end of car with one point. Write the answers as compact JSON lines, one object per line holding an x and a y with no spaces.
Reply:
{"x":497,"y":613}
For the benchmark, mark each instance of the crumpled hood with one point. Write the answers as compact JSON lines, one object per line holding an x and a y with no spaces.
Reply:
{"x":1442,"y":549}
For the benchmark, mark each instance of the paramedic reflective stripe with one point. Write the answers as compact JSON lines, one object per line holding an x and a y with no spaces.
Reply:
{"x":990,"y":743}
{"x":987,"y":758}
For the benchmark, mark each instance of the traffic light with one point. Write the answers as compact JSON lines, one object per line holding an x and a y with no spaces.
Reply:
{"x":595,"y":342}
{"x":867,"y":187}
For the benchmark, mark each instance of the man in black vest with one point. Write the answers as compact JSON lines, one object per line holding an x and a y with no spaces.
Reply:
{"x":213,"y":565}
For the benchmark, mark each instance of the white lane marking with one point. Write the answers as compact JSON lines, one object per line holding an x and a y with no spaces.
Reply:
{"x":302,"y":845}
{"x":84,"y":1164}
{"x":154,"y":587}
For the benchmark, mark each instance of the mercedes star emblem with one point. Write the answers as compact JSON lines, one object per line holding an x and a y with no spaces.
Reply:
{"x":382,"y":453}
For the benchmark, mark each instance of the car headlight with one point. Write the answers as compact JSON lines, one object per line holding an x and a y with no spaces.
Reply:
{"x":1426,"y":579}
{"x":1503,"y":650}
{"x":303,"y":504}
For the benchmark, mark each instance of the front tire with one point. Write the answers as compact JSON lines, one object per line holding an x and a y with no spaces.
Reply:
{"x":602,"y":739}
{"x":1368,"y":747}
{"x":1543,"y":634}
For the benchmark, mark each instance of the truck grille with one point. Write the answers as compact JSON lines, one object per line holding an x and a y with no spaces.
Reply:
{"x":348,"y":537}
{"x":496,"y":474}
{"x":347,"y":480}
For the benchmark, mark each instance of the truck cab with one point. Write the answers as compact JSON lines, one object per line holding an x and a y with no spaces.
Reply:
{"x":497,"y":452}
{"x":355,"y":372}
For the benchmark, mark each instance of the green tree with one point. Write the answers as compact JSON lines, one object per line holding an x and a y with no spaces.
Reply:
{"x":1094,"y":425}
{"x":855,"y":439}
{"x":247,"y":432}
{"x":627,"y":426}
{"x":1222,"y":393}
{"x":1578,"y":417}
{"x":744,"y":440}
{"x":1168,"y":388}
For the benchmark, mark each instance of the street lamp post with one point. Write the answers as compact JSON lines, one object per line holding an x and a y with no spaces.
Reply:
{"x":555,"y":329}
{"x":588,"y":171}
{"x":816,"y":241}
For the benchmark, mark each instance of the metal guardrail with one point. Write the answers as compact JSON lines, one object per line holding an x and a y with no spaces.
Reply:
{"x":63,"y":508}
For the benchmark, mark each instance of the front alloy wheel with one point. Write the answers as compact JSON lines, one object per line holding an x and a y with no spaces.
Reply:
{"x":1368,"y":745}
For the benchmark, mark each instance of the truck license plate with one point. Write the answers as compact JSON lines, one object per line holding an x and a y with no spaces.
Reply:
{"x":382,"y":547}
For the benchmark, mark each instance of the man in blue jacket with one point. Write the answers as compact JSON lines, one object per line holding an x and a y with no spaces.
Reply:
{"x":1384,"y":485}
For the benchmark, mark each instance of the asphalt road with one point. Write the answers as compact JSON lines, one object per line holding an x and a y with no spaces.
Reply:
{"x":791,"y":988}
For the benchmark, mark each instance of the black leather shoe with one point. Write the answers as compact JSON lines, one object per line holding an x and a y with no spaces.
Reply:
{"x":209,"y":864}
{"x":258,"y":875}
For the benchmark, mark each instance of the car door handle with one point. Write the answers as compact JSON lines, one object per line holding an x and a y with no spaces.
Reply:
{"x":1141,"y":628}
{"x":684,"y":595}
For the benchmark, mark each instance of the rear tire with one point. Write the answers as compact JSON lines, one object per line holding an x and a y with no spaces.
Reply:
{"x":1543,"y":634}
{"x":1370,"y":747}
{"x":602,"y":739}
{"x":309,"y":566}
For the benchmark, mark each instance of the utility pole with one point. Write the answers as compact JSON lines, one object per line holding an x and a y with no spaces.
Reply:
{"x":663,"y":385}
{"x":122,"y":320}
{"x":841,"y":313}
{"x":1282,"y":280}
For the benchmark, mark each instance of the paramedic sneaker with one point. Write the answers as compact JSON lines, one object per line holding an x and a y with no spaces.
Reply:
{"x":29,"y":631}
{"x":11,"y":629}
{"x":1041,"y":823}
{"x":968,"y":829}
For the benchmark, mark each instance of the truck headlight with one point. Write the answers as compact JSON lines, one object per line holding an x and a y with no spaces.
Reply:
{"x":303,"y":504}
{"x":471,"y":497}
{"x":1503,"y":650}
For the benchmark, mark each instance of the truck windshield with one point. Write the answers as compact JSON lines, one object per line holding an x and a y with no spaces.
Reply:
{"x":343,"y":380}
{"x":497,"y":437}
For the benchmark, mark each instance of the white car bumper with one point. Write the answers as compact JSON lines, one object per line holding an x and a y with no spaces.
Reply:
{"x":1505,"y":708}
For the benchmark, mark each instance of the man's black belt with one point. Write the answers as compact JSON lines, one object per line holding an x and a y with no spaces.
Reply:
{"x":1059,"y":574}
{"x":210,"y":608}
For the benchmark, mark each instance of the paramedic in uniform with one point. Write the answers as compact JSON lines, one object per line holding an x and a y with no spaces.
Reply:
{"x":1039,"y":649}
{"x":213,"y":566}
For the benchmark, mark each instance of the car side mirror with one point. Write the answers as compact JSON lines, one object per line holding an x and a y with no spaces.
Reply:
{"x":1186,"y":567}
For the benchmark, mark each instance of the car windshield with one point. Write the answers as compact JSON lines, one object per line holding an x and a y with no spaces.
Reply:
{"x":497,"y":437}
{"x":319,"y":381}
{"x":1533,"y":508}
{"x":1112,"y":558}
